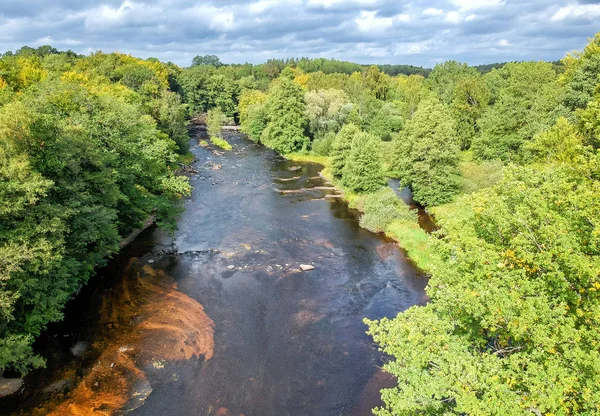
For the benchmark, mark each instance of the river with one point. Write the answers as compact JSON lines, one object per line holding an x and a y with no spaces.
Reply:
{"x":219,"y":320}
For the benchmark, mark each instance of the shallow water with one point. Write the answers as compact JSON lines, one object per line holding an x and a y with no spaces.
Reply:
{"x":228,"y":324}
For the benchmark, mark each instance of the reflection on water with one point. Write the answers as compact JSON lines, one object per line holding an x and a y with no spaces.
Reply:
{"x":283,"y":342}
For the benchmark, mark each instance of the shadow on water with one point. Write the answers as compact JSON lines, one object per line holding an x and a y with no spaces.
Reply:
{"x":220,"y":320}
{"x":426,"y":221}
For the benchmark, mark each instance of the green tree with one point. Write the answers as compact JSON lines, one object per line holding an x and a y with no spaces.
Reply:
{"x":340,"y":148}
{"x":377,"y":82}
{"x":426,"y":156}
{"x":527,"y":101}
{"x":363,"y":171}
{"x":214,"y":123}
{"x":582,"y":74}
{"x":561,"y":143}
{"x":286,"y":126}
{"x":327,"y":110}
{"x":387,"y":121}
{"x":212,"y":60}
{"x":444,"y":78}
{"x":470,"y":98}
{"x":82,"y":162}
{"x":510,"y":328}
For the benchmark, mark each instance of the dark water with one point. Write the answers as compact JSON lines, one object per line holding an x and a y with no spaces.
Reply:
{"x":286,"y":342}
{"x":426,"y":221}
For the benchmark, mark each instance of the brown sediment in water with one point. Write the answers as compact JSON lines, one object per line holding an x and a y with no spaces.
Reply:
{"x":147,"y":320}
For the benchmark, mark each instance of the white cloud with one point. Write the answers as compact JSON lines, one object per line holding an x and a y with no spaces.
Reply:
{"x":402,"y":17}
{"x":453,"y":17}
{"x":432,"y":12}
{"x":411,"y":48}
{"x":470,"y":17}
{"x":466,"y":5}
{"x":218,"y":19}
{"x":503,"y":42}
{"x":330,"y":3}
{"x":589,"y":11}
{"x":369,"y":22}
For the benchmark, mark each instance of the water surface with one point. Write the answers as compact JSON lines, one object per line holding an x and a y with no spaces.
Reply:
{"x":220,"y":320}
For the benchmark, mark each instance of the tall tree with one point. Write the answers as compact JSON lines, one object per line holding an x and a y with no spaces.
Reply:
{"x":527,"y":100}
{"x":426,"y":156}
{"x":511,"y":327}
{"x":212,"y":60}
{"x":363,"y":171}
{"x":340,"y":148}
{"x":287,"y":123}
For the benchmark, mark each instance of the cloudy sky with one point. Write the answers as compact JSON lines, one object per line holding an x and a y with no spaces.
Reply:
{"x":366,"y":31}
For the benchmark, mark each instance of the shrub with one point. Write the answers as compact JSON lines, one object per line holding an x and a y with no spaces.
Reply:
{"x":382,"y":208}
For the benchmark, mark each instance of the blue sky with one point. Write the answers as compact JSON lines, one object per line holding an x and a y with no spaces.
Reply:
{"x":365,"y":31}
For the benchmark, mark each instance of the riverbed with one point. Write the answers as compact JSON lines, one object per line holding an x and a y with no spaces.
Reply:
{"x":219,"y":319}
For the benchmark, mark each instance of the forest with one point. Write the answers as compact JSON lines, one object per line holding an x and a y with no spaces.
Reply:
{"x":506,"y":157}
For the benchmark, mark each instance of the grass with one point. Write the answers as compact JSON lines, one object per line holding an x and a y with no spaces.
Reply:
{"x":308,"y":157}
{"x":415,"y":241}
{"x":457,"y":209}
{"x":203,"y":143}
{"x":223,"y":144}
{"x":186,"y":159}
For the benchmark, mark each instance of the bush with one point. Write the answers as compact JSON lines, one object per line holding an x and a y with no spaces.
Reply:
{"x":323,"y":146}
{"x":382,"y":208}
{"x":223,"y":144}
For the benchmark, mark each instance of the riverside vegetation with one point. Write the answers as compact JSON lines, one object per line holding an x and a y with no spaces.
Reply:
{"x":506,"y":160}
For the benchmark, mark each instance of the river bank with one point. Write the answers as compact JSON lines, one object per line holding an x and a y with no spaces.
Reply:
{"x":260,"y":336}
{"x":412,"y":236}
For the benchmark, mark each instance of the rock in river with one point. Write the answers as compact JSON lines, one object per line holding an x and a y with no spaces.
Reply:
{"x":306,"y":267}
{"x":9,"y":385}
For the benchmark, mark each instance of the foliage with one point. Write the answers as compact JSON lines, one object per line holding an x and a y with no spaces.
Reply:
{"x":526,"y":101}
{"x":560,"y":143}
{"x":327,"y":110}
{"x":410,"y":91}
{"x":212,"y":60}
{"x":445,"y":77}
{"x":324,"y":145}
{"x":387,"y":121}
{"x":340,"y":148}
{"x":205,"y":87}
{"x":381,"y":208}
{"x":84,"y":158}
{"x":511,"y":324}
{"x":470,"y":98}
{"x":252,"y":114}
{"x":377,"y":82}
{"x":581,"y":75}
{"x":426,"y":156}
{"x":220,"y":142}
{"x":362,"y":171}
{"x":286,"y":121}
{"x":214,"y":123}
{"x":589,"y":122}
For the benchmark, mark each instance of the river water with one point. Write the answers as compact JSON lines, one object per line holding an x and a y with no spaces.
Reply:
{"x":219,"y":320}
